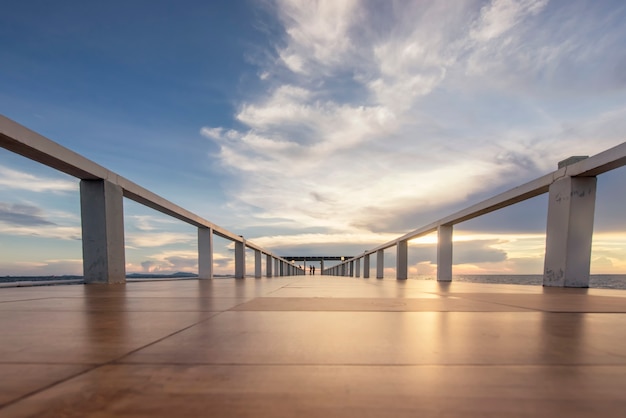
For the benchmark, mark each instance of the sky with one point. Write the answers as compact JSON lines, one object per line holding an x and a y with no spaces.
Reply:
{"x":311,"y":127}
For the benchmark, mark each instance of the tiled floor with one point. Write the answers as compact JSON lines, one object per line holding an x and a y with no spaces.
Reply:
{"x":311,"y":347}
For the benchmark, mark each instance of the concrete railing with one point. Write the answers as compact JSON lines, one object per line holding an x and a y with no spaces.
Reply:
{"x":572,"y":193}
{"x":102,"y":217}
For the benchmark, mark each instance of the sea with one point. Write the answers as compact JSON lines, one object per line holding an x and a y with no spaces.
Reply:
{"x":598,"y":281}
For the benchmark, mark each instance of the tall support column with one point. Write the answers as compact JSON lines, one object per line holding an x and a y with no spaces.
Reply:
{"x":444,"y":253}
{"x":402,"y":260}
{"x":268,"y":265}
{"x":352,"y":268}
{"x":102,"y":221}
{"x":322,"y":266}
{"x":205,"y":253}
{"x":282,"y":267}
{"x":366,"y":266}
{"x":357,"y":267}
{"x":257,"y":264}
{"x":240,"y":260}
{"x":380,"y":264}
{"x":569,"y":232}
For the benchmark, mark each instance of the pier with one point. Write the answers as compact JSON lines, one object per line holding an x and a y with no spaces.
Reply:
{"x":312,"y":346}
{"x":278,"y":343}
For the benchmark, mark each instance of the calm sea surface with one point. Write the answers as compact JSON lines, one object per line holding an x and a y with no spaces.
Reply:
{"x":603,"y":281}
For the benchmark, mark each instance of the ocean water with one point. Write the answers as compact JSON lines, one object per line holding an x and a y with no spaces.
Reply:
{"x":600,"y":281}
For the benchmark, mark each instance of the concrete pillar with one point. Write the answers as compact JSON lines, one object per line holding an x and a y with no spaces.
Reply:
{"x":240,"y":260}
{"x":257,"y":265}
{"x":276,"y":267}
{"x":402,"y":260}
{"x":282,"y":268}
{"x":205,"y":253}
{"x":380,"y":264}
{"x":351,"y":268}
{"x":569,"y":232}
{"x":343,"y":269}
{"x":357,"y":272}
{"x":102,"y":221}
{"x":322,"y":266}
{"x":444,"y":253}
{"x":366,"y":266}
{"x":268,"y":265}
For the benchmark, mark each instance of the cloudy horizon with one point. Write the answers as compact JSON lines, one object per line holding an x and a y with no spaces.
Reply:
{"x":318,"y":126}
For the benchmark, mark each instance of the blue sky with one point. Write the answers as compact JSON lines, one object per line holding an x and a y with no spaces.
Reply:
{"x":311,"y":126}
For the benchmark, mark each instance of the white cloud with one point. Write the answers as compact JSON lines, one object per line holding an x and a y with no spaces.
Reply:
{"x":377,"y":113}
{"x":500,"y":16}
{"x":157,"y":239}
{"x":14,"y":179}
{"x":52,"y":231}
{"x":318,"y":33}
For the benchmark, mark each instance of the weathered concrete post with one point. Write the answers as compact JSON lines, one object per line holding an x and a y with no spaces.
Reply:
{"x":357,"y":266}
{"x":366,"y":266}
{"x":240,"y":259}
{"x":205,"y":253}
{"x":380,"y":264}
{"x":402,"y":267}
{"x":268,"y":265}
{"x":444,"y":253}
{"x":257,"y":264}
{"x":102,"y":220}
{"x":569,"y":232}
{"x":322,"y":266}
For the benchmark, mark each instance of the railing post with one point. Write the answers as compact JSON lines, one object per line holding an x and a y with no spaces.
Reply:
{"x":352,"y":268}
{"x":569,"y":232}
{"x":380,"y":264}
{"x":366,"y":266}
{"x":257,"y":264}
{"x":444,"y":253}
{"x":268,"y":265}
{"x":240,"y":259}
{"x":322,"y":267}
{"x":402,"y":260}
{"x":205,"y":253}
{"x":102,"y":221}
{"x":358,"y":267}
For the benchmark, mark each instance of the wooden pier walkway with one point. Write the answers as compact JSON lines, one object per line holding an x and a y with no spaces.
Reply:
{"x":312,"y":347}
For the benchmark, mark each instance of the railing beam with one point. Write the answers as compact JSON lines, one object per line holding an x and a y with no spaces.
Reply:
{"x":240,"y":259}
{"x":268,"y":265}
{"x":257,"y":264}
{"x":444,"y":253}
{"x":402,"y":260}
{"x":380,"y":264}
{"x":205,"y":253}
{"x":569,"y":232}
{"x":102,"y":221}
